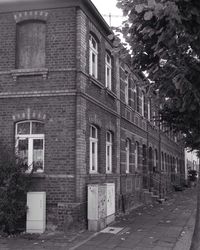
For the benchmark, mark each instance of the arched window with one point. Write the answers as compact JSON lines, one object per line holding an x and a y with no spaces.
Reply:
{"x":155,"y":159}
{"x":31,"y":40}
{"x":108,"y":71}
{"x":30,"y":144}
{"x":93,"y":149}
{"x":93,"y":59}
{"x":143,"y":103}
{"x":126,"y":88}
{"x":162,"y":161}
{"x":136,"y":155}
{"x":149,"y":109}
{"x":128,"y":145}
{"x":109,"y":140}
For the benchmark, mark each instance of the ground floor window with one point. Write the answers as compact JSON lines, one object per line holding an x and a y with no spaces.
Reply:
{"x":30,"y":144}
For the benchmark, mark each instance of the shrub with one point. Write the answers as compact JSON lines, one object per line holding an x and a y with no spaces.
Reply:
{"x":14,"y":184}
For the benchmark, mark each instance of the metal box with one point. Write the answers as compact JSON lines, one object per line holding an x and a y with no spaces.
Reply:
{"x":36,"y":212}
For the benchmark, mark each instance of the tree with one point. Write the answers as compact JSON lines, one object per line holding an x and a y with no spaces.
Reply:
{"x":164,"y":37}
{"x":14,"y":184}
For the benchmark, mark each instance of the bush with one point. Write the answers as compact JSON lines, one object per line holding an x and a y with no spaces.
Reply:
{"x":192,"y":175}
{"x":14,"y":184}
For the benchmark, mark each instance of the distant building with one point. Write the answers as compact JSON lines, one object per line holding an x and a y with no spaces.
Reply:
{"x":191,"y":162}
{"x":75,"y":111}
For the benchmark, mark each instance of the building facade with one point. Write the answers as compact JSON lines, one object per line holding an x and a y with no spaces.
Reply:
{"x":76,"y":113}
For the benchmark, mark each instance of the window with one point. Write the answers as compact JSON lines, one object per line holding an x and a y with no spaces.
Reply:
{"x":108,"y":70}
{"x":93,"y":46}
{"x":137,"y":100}
{"x":149,"y":109}
{"x":108,"y":152}
{"x":162,"y":161}
{"x":154,"y":118}
{"x":30,"y":144}
{"x":127,"y":155}
{"x":136,"y":155}
{"x":93,"y":149}
{"x":143,"y":103}
{"x":126,"y":89}
{"x":31,"y":36}
{"x":155,"y":159}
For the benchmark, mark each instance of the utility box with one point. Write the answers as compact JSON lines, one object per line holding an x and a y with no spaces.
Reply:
{"x":36,"y":212}
{"x":110,"y":204}
{"x":96,"y":207}
{"x":101,"y":205}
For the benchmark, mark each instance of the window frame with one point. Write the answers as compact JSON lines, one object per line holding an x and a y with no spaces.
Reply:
{"x":127,"y":149}
{"x":93,"y":69}
{"x":93,"y":140}
{"x":149,"y":109}
{"x":126,"y":88}
{"x":108,"y":66}
{"x":19,"y":50}
{"x":30,"y":137}
{"x":109,"y":148}
{"x":136,"y":152}
{"x":143,"y":103}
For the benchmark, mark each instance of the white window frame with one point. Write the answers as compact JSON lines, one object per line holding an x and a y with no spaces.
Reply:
{"x":108,"y":71}
{"x":30,"y":137}
{"x":155,"y":158}
{"x":136,"y":155}
{"x":149,"y":109}
{"x":127,"y":149}
{"x":94,"y":141}
{"x":93,"y":52}
{"x":109,"y":139}
{"x":126,"y":88}
{"x":154,"y":118}
{"x":143,"y":103}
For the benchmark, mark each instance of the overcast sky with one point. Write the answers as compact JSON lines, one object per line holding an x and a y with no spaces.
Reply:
{"x":107,"y":7}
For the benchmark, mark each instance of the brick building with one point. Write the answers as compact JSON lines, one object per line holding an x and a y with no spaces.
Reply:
{"x":76,"y":112}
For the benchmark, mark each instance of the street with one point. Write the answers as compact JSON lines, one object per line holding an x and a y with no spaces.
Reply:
{"x":159,"y":227}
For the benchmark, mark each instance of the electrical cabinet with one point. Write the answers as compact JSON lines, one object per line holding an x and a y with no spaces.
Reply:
{"x":36,"y":212}
{"x":101,"y":205}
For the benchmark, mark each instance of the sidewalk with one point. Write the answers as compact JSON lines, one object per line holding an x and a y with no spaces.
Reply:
{"x":159,"y":227}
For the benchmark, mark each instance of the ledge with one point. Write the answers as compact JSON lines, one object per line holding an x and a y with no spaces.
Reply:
{"x":29,"y":72}
{"x":39,"y":175}
{"x":96,"y":82}
{"x":111,"y":93}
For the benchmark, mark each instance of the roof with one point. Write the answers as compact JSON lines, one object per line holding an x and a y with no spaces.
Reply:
{"x":26,"y":5}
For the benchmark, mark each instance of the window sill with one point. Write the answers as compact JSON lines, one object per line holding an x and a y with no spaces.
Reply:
{"x":96,"y":82}
{"x":111,"y":93}
{"x":29,"y":72}
{"x":40,"y":175}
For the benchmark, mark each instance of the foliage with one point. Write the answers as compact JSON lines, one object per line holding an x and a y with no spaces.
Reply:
{"x":192,"y":175}
{"x":13,"y":188}
{"x":164,"y":37}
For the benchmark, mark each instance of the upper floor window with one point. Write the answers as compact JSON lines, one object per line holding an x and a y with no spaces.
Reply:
{"x":93,"y":149}
{"x":149,"y":109}
{"x":108,"y":71}
{"x":30,"y":144}
{"x":93,"y":60}
{"x":154,"y":118}
{"x":136,"y":155}
{"x":127,"y":155}
{"x":31,"y":40}
{"x":137,"y":99}
{"x":143,"y":103}
{"x":109,"y":152}
{"x":126,"y":89}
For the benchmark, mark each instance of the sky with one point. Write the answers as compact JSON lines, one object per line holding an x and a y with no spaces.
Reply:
{"x":107,"y":7}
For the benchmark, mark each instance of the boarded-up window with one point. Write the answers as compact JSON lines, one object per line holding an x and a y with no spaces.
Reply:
{"x":31,"y":44}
